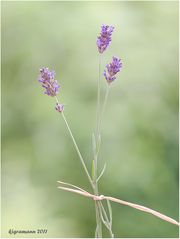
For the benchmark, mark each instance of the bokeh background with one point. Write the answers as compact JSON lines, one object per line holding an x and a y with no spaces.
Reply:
{"x":140,"y":125}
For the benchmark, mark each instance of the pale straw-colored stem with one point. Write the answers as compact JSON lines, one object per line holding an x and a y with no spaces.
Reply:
{"x":73,"y":186}
{"x":142,"y":208}
{"x":133,"y":205}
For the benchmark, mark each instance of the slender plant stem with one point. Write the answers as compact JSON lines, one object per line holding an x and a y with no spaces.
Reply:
{"x":77,"y":149}
{"x":98,"y":143}
{"x":97,"y":205}
{"x":109,"y":227}
{"x":98,"y":99}
{"x":104,"y":106}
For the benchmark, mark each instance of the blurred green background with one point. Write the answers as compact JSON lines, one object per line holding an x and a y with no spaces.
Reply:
{"x":140,"y":125}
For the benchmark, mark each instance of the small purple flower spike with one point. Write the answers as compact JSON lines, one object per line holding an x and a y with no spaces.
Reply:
{"x":59,"y":107}
{"x":104,"y":38}
{"x":112,"y":69}
{"x":46,"y":78}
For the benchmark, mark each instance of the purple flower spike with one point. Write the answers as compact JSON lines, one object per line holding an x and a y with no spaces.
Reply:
{"x":46,"y":78}
{"x":104,"y":38}
{"x":112,"y":69}
{"x":59,"y":107}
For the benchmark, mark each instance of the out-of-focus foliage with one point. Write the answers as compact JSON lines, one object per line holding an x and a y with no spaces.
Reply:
{"x":140,"y":125}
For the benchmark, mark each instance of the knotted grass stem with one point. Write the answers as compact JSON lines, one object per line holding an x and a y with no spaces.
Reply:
{"x":133,"y":205}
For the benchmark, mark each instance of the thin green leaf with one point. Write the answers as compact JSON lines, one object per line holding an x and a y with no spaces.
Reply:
{"x":110,"y":212}
{"x":104,"y":221}
{"x":92,"y":171}
{"x":94,"y":144}
{"x":96,"y":232}
{"x":102,"y":172}
{"x":98,"y":143}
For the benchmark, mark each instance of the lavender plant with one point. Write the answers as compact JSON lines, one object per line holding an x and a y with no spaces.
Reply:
{"x":47,"y":80}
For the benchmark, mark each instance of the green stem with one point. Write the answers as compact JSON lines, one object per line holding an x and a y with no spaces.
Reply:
{"x":76,"y":147}
{"x":109,"y":226}
{"x":97,"y":206}
{"x":98,"y":100}
{"x":104,"y":106}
